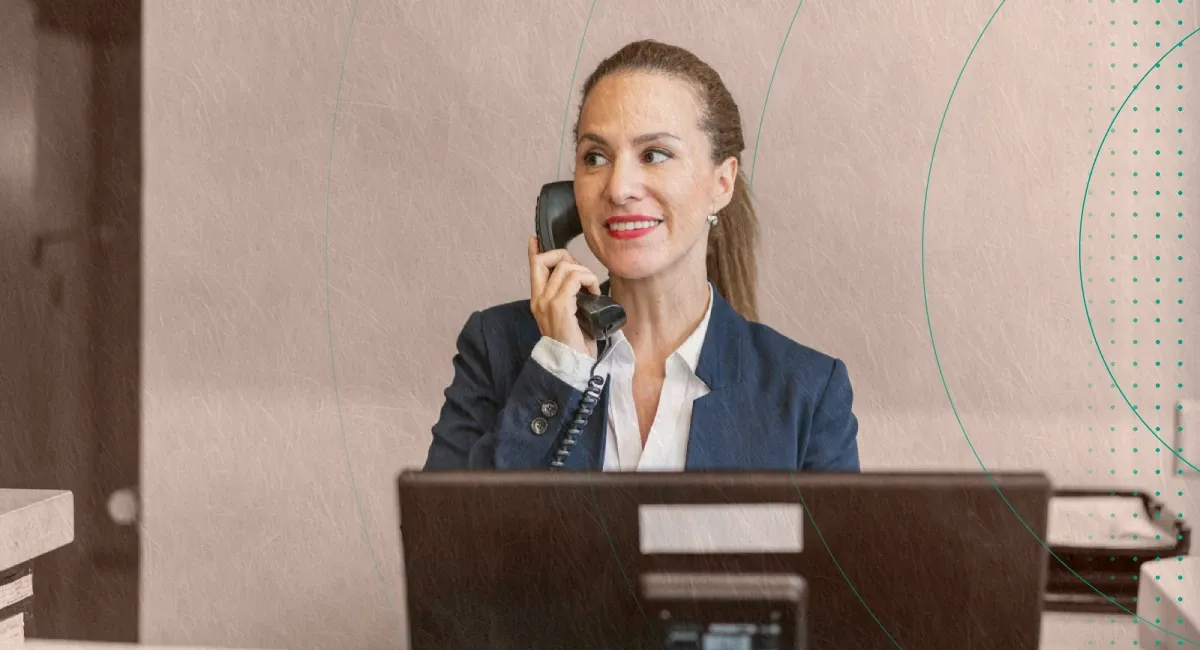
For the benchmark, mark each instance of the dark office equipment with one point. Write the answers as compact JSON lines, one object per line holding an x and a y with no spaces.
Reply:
{"x":535,"y":560}
{"x":1110,"y":566}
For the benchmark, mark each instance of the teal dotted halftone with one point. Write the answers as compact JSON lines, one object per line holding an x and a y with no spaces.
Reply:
{"x":1141,"y":270}
{"x":945,"y":385}
{"x":329,"y":316}
{"x":1136,"y":210}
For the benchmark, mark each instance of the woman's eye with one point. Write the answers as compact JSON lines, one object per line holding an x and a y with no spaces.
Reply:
{"x":593,"y":158}
{"x":659,"y":152}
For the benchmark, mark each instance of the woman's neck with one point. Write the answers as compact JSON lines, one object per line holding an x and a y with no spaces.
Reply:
{"x":661,"y":312}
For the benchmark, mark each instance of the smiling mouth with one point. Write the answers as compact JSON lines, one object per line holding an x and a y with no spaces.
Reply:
{"x":632,"y":225}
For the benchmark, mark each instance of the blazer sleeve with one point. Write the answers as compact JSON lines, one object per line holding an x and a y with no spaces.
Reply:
{"x":481,"y":428}
{"x":832,"y":444}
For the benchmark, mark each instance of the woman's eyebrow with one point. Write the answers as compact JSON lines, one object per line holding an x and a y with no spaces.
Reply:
{"x":641,"y":139}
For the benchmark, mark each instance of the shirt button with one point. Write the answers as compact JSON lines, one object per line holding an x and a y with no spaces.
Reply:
{"x":549,"y":408}
{"x":538,"y":426}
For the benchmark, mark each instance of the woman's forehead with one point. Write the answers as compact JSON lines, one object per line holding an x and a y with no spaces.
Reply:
{"x":632,"y":104}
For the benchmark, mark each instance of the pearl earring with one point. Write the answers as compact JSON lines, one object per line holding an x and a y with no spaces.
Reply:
{"x":712,"y":219}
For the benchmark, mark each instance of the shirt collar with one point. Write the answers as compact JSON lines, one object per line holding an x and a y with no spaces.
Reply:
{"x":690,"y":349}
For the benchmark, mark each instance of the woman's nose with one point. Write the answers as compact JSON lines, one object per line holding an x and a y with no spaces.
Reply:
{"x":626,"y":180}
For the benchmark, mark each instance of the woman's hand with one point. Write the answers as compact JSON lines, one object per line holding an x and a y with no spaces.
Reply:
{"x":553,"y":295}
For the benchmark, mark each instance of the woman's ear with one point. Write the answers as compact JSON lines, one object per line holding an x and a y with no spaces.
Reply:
{"x":725,"y":177}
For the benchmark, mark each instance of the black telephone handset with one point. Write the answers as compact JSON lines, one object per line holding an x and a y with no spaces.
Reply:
{"x":556,"y":222}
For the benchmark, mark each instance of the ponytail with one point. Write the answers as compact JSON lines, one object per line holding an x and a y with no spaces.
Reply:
{"x":732,"y":264}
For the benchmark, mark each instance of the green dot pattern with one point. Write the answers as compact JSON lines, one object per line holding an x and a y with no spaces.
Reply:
{"x":1137,"y":247}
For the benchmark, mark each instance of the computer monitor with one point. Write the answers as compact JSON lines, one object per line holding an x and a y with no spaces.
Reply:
{"x":534,"y":560}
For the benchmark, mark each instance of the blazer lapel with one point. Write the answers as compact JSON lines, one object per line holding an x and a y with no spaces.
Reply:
{"x":716,"y":437}
{"x":714,"y":441}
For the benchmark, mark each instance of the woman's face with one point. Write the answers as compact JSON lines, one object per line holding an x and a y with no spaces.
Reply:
{"x":644,"y":178}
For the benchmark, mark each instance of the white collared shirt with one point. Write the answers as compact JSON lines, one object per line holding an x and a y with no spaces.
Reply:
{"x":666,"y":446}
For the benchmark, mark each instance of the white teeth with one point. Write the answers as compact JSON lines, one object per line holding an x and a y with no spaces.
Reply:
{"x":632,"y":225}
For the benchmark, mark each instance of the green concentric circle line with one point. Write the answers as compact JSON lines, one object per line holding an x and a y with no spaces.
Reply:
{"x":329,"y":316}
{"x":937,"y":358}
{"x":1079,"y":251}
{"x":595,"y":500}
{"x":803,"y":503}
{"x":341,"y":422}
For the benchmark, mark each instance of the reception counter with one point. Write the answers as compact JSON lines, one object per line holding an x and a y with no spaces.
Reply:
{"x":32,"y":523}
{"x":1059,"y":632}
{"x":36,"y":522}
{"x":39,"y":644}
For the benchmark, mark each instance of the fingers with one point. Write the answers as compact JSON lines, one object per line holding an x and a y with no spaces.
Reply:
{"x":556,"y":280}
{"x":537,"y":272}
{"x":540,"y":265}
{"x":551,"y":258}
{"x":568,"y":279}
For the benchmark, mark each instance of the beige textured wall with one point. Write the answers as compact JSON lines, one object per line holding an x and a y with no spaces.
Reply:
{"x":449,"y":120}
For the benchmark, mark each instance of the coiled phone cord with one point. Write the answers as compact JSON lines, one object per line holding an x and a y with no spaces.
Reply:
{"x":591,"y":396}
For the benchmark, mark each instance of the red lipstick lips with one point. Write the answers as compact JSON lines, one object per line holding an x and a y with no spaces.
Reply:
{"x":630,"y":226}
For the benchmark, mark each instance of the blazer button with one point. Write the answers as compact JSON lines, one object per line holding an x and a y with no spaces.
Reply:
{"x":549,"y":408}
{"x":538,"y":426}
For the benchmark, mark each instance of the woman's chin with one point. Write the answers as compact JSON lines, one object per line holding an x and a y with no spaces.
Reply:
{"x":631,"y":267}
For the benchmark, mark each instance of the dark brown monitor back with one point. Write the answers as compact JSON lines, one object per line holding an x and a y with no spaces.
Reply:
{"x":534,"y":560}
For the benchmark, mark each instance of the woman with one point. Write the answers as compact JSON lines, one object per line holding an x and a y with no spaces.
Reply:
{"x":693,"y":382}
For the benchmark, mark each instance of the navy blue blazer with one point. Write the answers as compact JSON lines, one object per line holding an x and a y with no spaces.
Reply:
{"x":774,"y":404}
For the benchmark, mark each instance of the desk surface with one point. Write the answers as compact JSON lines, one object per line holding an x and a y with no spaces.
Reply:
{"x":1068,"y":631}
{"x":1059,"y":632}
{"x":39,"y":644}
{"x":33,"y":523}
